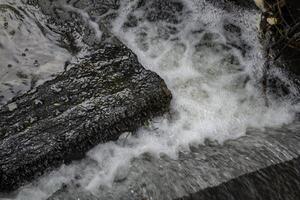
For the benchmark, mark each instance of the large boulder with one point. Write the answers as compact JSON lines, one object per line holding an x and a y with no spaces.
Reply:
{"x":95,"y":100}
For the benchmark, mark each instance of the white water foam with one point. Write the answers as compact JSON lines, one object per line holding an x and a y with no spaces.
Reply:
{"x":212,"y":97}
{"x":26,"y":53}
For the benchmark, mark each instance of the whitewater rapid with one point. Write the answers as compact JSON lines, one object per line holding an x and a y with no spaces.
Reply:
{"x":212,"y":62}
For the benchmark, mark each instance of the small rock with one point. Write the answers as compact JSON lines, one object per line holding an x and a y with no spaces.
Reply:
{"x":55,"y":88}
{"x":272,"y":20}
{"x":12,"y":106}
{"x":5,"y":25}
{"x":38,"y":102}
{"x":121,"y":173}
{"x":36,"y":63}
{"x":13,"y":32}
{"x":21,"y":75}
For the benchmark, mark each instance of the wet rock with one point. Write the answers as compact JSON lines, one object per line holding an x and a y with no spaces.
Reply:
{"x":169,"y":11}
{"x":97,"y":99}
{"x":230,"y":4}
{"x":94,"y":103}
{"x":74,"y":193}
{"x":259,"y":165}
{"x":280,"y":35}
{"x":165,"y":14}
{"x":276,"y":182}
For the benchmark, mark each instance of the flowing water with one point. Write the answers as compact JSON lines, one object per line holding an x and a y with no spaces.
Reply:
{"x":28,"y":57}
{"x":210,"y":58}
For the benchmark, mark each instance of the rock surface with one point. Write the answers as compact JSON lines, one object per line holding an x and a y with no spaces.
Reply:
{"x":260,"y":165}
{"x":230,"y":4}
{"x":107,"y":93}
{"x":276,"y":182}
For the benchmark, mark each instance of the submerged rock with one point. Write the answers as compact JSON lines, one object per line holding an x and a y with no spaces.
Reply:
{"x":107,"y":93}
{"x":231,"y":4}
{"x":259,"y":165}
{"x":276,"y":182}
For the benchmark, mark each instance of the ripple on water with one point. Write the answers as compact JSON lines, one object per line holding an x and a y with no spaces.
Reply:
{"x":28,"y":57}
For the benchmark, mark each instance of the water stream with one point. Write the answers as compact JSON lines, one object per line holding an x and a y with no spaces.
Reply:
{"x":210,"y":58}
{"x":28,"y":57}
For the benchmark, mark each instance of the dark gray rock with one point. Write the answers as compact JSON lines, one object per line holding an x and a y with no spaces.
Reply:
{"x":107,"y":93}
{"x":65,"y":117}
